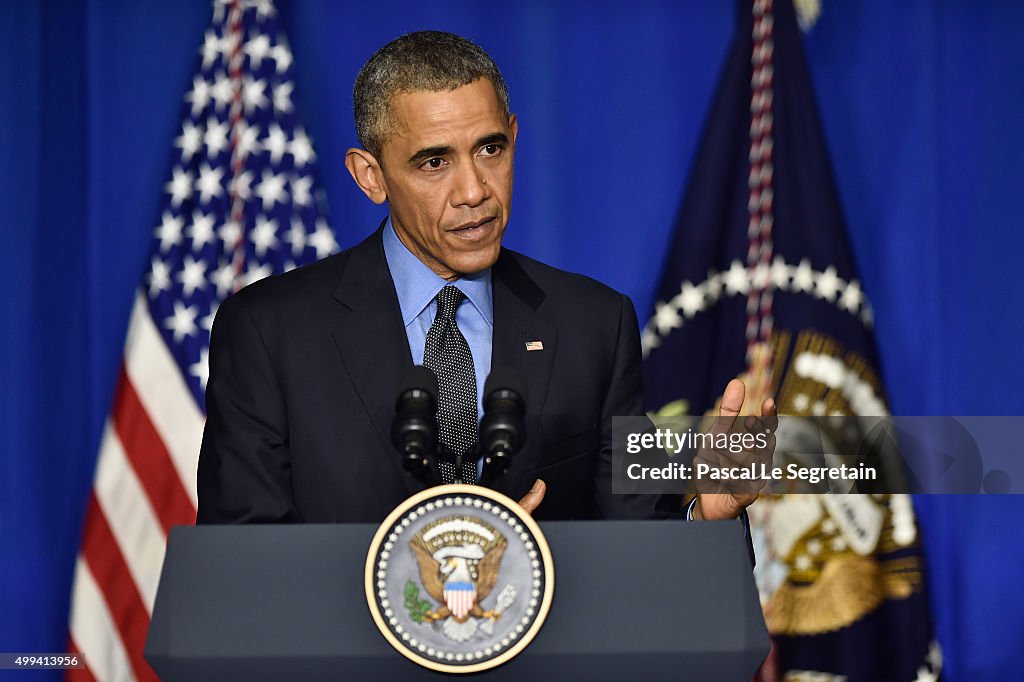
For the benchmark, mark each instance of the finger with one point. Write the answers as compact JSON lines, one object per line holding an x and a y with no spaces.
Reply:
{"x":532,"y":499}
{"x":732,"y":403}
{"x":770,"y":414}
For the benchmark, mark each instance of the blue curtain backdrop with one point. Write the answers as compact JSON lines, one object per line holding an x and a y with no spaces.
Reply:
{"x":922,"y":104}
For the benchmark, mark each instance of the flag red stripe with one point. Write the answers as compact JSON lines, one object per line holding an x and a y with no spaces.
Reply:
{"x":149,"y":457}
{"x":82,"y":674}
{"x":101,"y":553}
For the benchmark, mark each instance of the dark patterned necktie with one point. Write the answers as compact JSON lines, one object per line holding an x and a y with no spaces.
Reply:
{"x":447,"y":354}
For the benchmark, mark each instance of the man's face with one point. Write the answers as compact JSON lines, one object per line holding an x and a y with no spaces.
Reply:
{"x":447,"y":171}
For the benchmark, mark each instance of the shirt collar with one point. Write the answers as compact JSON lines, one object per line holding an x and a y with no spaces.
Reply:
{"x":417,"y":285}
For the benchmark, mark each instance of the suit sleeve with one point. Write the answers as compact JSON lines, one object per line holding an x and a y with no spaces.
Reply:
{"x":625,"y":397}
{"x":244,"y":464}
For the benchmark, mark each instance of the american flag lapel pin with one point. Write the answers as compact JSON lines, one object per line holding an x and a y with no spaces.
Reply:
{"x":534,"y":345}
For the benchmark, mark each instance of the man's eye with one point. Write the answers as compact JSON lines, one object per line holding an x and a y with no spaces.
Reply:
{"x":434,"y":163}
{"x":491,"y":149}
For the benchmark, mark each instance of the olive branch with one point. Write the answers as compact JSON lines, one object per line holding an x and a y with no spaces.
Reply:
{"x":418,"y":608}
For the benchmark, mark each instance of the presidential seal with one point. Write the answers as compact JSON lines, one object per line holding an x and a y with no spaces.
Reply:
{"x":459,"y":578}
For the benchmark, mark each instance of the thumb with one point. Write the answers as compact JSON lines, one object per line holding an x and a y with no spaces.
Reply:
{"x":732,"y":403}
{"x":532,"y":499}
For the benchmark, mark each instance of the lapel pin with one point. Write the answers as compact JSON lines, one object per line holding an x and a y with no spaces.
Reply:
{"x":534,"y":345}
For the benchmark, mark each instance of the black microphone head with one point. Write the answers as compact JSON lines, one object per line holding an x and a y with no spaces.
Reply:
{"x":506,"y":379}
{"x":418,"y":377}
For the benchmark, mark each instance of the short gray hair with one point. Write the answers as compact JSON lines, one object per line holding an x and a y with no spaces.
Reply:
{"x":431,"y":61}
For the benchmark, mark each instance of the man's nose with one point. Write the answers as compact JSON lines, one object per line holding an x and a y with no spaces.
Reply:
{"x":470,"y":185}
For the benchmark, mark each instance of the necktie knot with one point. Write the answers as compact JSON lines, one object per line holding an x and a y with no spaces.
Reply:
{"x":448,"y":300}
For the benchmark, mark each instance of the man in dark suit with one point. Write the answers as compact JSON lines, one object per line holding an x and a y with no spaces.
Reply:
{"x":304,"y":367}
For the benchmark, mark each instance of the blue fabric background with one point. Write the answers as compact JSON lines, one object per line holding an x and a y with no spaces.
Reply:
{"x":922,"y":103}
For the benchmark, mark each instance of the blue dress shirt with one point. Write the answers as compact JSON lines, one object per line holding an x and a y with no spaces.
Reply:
{"x":417,"y":286}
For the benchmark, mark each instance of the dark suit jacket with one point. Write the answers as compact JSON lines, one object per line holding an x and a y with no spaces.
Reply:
{"x":304,"y":369}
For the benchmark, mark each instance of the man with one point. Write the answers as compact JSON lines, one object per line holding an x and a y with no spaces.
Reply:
{"x":304,"y":367}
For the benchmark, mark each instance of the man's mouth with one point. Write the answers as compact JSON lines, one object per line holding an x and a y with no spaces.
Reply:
{"x":474,"y":230}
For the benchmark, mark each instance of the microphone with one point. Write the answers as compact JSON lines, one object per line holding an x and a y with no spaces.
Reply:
{"x":414,"y":428}
{"x":503,"y":428}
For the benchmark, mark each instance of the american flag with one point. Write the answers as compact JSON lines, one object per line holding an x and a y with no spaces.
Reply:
{"x":241,"y":203}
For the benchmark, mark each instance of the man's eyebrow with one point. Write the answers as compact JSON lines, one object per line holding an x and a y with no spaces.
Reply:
{"x":428,"y":153}
{"x":493,"y":138}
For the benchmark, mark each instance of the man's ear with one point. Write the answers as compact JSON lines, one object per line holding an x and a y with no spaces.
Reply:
{"x":513,"y":124}
{"x":365,"y":170}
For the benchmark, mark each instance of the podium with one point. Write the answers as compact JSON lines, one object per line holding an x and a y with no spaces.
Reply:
{"x":633,"y":600}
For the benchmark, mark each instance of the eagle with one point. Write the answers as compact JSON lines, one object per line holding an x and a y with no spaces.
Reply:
{"x":459,"y":577}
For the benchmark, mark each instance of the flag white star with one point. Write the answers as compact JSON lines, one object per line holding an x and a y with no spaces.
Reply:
{"x":322,"y":240}
{"x":159,"y":277}
{"x":246,"y":138}
{"x":283,"y":97}
{"x":209,"y":182}
{"x":201,"y":369}
{"x":300,"y":190}
{"x":240,"y":185}
{"x":201,"y":230}
{"x":206,"y":324}
{"x":852,"y":296}
{"x":220,"y":7}
{"x":649,"y":339}
{"x":736,"y":279}
{"x":264,"y":235}
{"x":301,"y":148}
{"x":666,"y":317}
{"x":271,"y":189}
{"x":803,"y":277}
{"x":211,"y":49}
{"x":199,"y":96}
{"x":180,"y":186}
{"x":255,"y":273}
{"x":296,"y":236}
{"x":935,"y":655}
{"x":229,"y":233}
{"x":264,"y":8}
{"x":827,"y":284}
{"x":257,"y":49}
{"x":216,"y":137}
{"x":222,"y":91}
{"x":780,"y":273}
{"x":276,"y":142}
{"x":282,"y":57}
{"x":190,"y":140}
{"x":713,"y":286}
{"x":253,"y":94}
{"x":192,"y":275}
{"x":182,"y":322}
{"x":762,"y":276}
{"x":224,"y":279}
{"x":169,"y":231}
{"x":691,"y":299}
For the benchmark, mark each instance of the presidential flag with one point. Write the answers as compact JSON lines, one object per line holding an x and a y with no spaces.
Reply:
{"x":760,"y":284}
{"x":241,"y":203}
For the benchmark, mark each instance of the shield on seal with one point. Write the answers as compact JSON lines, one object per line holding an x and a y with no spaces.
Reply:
{"x":460,"y":598}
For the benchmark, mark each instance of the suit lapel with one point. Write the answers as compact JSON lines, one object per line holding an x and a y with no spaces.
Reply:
{"x":371,"y":339}
{"x":516,"y":322}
